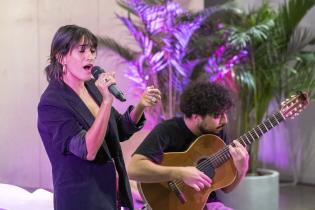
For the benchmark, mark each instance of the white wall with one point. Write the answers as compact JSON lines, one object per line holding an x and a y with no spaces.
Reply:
{"x":27,"y":28}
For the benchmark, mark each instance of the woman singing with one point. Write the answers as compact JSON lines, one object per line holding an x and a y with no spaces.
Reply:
{"x":80,"y":128}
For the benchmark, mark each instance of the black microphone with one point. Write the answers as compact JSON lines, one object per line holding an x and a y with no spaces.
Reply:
{"x":96,"y":71}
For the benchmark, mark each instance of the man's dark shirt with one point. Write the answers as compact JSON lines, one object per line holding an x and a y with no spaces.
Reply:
{"x":170,"y":136}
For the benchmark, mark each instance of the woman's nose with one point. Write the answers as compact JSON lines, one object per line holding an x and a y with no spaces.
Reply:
{"x":90,"y":55}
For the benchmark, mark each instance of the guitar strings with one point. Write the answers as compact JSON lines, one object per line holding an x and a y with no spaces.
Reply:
{"x":222,"y":155}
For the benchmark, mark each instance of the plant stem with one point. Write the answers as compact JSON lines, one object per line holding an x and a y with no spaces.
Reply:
{"x":170,"y":92}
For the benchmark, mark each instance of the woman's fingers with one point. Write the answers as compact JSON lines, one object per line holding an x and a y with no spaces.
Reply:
{"x":152,"y":95}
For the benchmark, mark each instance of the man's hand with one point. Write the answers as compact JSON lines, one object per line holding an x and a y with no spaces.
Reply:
{"x":194,"y":178}
{"x":240,"y":157}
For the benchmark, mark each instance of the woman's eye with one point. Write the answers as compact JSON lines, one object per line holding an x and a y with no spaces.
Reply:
{"x":82,"y":49}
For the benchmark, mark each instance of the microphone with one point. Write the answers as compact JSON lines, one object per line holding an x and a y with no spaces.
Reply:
{"x":96,"y":71}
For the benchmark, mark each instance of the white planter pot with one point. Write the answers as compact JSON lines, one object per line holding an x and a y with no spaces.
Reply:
{"x":254,"y":192}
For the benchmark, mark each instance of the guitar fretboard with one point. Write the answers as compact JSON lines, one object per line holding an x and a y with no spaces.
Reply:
{"x":220,"y":157}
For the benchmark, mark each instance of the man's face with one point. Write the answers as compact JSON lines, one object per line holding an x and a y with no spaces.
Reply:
{"x":212,"y":124}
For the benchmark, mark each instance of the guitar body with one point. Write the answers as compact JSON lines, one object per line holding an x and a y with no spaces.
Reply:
{"x":159,"y":196}
{"x":210,"y":152}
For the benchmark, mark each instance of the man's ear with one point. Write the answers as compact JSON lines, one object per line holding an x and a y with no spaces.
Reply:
{"x":197,"y":118}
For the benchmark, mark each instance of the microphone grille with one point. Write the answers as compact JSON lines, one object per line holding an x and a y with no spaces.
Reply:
{"x":96,"y":71}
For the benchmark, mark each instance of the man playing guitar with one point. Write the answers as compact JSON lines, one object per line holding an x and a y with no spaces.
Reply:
{"x":204,"y":107}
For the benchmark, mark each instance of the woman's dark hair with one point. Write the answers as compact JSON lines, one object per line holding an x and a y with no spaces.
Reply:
{"x":65,"y":39}
{"x":205,"y":98}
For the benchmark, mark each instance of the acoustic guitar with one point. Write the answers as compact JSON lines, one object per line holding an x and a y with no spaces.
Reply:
{"x":209,"y":154}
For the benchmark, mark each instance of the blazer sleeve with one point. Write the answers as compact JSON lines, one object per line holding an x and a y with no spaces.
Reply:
{"x":59,"y":126}
{"x":126,"y":128}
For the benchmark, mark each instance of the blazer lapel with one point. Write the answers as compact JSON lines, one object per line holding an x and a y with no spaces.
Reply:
{"x":81,"y":111}
{"x":79,"y":108}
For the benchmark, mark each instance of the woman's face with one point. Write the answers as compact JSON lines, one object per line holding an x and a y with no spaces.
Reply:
{"x":79,"y":62}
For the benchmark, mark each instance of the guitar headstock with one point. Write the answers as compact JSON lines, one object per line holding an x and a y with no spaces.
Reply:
{"x":293,"y":106}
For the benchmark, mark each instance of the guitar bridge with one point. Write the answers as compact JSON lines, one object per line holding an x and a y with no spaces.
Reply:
{"x":179,"y":194}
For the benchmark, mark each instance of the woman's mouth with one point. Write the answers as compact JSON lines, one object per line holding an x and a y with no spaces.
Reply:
{"x":88,"y":67}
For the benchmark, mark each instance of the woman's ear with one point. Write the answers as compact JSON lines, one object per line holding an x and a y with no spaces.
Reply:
{"x":61,"y":59}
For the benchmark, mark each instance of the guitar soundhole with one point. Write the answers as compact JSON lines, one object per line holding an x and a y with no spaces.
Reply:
{"x":204,"y":166}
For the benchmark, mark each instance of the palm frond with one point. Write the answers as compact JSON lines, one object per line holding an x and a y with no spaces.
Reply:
{"x":291,"y":13}
{"x":257,"y":33}
{"x":126,"y":6}
{"x":244,"y":79}
{"x":204,"y":13}
{"x":230,"y":15}
{"x":217,"y":2}
{"x":123,"y":51}
{"x":152,"y":2}
{"x":135,"y":31}
{"x":301,"y":38}
{"x":302,"y":75}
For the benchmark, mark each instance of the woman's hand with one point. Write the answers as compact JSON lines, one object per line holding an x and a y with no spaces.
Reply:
{"x":150,"y":97}
{"x":103,"y":82}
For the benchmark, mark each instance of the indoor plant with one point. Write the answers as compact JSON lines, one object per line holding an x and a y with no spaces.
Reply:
{"x":176,"y":47}
{"x":277,"y":61}
{"x":278,"y":64}
{"x":257,"y":54}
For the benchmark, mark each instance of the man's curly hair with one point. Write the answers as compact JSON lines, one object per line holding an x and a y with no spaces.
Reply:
{"x":205,"y":98}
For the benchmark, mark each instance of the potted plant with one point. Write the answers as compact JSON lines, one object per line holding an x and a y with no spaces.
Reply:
{"x":278,"y":65}
{"x":176,"y":47}
{"x":257,"y":55}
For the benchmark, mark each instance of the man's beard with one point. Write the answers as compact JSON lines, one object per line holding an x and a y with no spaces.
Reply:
{"x":203,"y":130}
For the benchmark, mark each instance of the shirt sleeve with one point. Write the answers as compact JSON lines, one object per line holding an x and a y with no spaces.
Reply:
{"x":154,"y":145}
{"x":77,"y":145}
{"x":125,"y":125}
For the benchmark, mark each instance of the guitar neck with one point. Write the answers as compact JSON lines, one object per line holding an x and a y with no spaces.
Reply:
{"x":249,"y":137}
{"x":246,"y":139}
